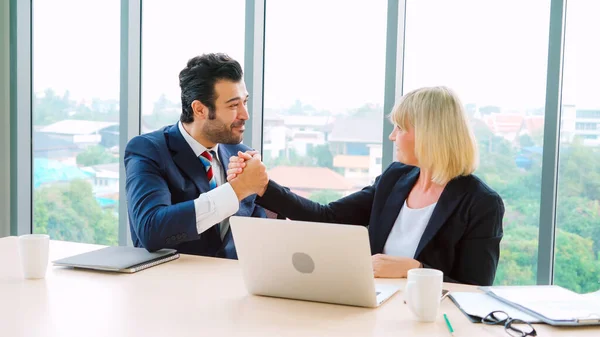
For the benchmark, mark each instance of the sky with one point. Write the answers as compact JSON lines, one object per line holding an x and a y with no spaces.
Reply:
{"x":326,"y":53}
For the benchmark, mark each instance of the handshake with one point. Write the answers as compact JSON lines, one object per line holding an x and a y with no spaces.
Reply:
{"x":247,"y":174}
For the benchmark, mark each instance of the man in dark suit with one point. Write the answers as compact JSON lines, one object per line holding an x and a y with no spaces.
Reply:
{"x":177,"y":194}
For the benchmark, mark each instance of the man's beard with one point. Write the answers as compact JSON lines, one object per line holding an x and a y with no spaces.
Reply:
{"x":220,"y":133}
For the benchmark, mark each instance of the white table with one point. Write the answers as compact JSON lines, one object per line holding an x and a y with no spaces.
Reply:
{"x":197,"y":296}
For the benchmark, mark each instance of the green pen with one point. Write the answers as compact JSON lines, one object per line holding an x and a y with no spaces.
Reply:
{"x":449,"y":325}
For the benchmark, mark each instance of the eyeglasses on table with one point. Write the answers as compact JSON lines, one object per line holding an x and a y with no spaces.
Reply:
{"x":513,"y":326}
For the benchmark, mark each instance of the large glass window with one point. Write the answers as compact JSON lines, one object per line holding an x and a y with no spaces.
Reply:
{"x":75,"y":118}
{"x":577,"y":255}
{"x":172,"y":33}
{"x":323,"y":105}
{"x":494,"y":56}
{"x":324,"y":91}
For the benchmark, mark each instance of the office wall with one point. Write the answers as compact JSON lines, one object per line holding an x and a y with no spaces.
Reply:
{"x":4,"y":119}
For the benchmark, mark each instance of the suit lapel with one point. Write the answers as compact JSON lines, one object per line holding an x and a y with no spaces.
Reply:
{"x":227,"y":245}
{"x":392,"y":208}
{"x":224,"y":156}
{"x":186,"y":159}
{"x":449,"y":200}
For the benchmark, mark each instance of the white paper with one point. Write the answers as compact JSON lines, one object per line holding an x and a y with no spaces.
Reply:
{"x":553,"y":302}
{"x":595,"y":296}
{"x":480,"y":304}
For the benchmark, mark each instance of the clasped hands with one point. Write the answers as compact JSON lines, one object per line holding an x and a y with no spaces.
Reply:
{"x":247,"y":170}
{"x":247,"y":174}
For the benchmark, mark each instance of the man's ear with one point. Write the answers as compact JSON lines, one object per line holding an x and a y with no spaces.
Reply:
{"x":200,"y":110}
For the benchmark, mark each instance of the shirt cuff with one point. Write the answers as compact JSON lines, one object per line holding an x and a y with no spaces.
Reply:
{"x":215,"y":206}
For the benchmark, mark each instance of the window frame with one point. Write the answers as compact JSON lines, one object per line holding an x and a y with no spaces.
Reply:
{"x":20,"y":14}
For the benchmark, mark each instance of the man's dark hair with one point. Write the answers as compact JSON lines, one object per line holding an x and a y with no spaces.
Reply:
{"x":197,"y":81}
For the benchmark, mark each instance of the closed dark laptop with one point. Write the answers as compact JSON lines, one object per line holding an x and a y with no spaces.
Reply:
{"x":119,"y":259}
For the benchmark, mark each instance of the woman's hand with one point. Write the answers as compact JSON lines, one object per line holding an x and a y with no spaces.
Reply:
{"x":387,"y":266}
{"x":237,"y":163}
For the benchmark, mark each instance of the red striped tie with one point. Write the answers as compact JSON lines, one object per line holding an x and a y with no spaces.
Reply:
{"x":206,"y":159}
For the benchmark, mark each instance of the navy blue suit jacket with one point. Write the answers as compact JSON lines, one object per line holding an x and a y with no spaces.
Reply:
{"x":462,"y":237}
{"x":164,"y":176}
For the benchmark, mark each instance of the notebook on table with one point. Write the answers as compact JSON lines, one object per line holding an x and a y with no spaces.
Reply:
{"x":119,"y":259}
{"x":553,"y":305}
{"x":477,"y":305}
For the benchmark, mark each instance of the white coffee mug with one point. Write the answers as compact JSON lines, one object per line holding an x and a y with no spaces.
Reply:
{"x":33,"y":249}
{"x":423,"y":292}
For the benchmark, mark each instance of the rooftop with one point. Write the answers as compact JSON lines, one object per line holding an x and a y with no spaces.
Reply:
{"x":113,"y":167}
{"x":346,"y":161}
{"x":309,"y":178}
{"x":504,"y":122}
{"x":47,"y":142}
{"x":533,"y":123}
{"x":49,"y":171}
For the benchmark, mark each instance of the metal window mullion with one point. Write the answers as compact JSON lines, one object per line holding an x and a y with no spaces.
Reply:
{"x":21,"y":97}
{"x":5,"y":125}
{"x":254,"y":62}
{"x":129,"y":100}
{"x":547,"y":225}
{"x":394,"y":71}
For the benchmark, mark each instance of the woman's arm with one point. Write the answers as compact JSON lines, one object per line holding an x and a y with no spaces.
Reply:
{"x":353,"y":209}
{"x":478,"y":251}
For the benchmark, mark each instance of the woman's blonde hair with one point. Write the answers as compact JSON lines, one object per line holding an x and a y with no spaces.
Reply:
{"x":444,"y":142}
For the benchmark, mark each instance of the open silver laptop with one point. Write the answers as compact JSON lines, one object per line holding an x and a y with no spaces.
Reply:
{"x":307,"y":261}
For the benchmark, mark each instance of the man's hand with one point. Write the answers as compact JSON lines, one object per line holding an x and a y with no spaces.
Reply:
{"x":237,"y":163}
{"x":253,"y":180}
{"x":387,"y":266}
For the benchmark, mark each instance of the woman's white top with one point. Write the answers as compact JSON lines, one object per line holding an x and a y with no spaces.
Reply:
{"x":408,"y":230}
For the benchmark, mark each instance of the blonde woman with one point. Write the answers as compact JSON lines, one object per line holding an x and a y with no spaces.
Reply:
{"x":427,"y":210}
